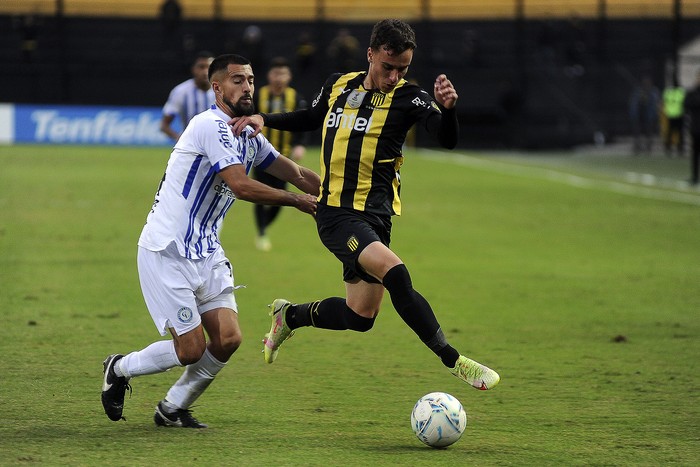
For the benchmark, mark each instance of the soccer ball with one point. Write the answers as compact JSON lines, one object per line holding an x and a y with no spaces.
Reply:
{"x":438,"y":419}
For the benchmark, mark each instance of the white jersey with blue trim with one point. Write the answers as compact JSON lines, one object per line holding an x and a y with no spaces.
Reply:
{"x":192,"y":198}
{"x":187,"y":100}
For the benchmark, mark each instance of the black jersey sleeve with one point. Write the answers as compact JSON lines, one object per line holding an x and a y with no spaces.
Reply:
{"x":300,"y":137}
{"x":304,"y":119}
{"x":444,"y":127}
{"x":439,"y":122}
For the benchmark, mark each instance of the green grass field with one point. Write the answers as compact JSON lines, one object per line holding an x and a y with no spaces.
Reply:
{"x":584,"y":296}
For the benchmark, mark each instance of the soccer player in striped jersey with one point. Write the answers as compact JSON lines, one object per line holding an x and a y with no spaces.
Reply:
{"x":186,"y":279}
{"x":365,"y":118}
{"x":277,"y":96}
{"x":189,"y":98}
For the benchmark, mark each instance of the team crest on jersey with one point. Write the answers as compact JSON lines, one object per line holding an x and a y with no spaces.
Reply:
{"x":377,"y":98}
{"x":250,"y":153}
{"x":355,"y":99}
{"x":435,"y":106}
{"x":353,"y":243}
{"x":185,"y":315}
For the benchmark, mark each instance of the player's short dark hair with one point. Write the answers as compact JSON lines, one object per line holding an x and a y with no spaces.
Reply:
{"x":279,"y":62}
{"x":394,"y":35}
{"x":223,"y":61}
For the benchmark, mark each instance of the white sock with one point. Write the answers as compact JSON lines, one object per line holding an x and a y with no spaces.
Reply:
{"x":196,"y":378}
{"x":156,"y":358}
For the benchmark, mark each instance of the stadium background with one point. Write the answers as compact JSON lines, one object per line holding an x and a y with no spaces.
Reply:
{"x":573,"y":272}
{"x":544,"y":74}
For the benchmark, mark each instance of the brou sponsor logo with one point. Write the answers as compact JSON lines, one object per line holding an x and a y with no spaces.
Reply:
{"x":107,"y":126}
{"x":339,"y":119}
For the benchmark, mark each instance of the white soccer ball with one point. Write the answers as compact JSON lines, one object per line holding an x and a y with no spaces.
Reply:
{"x":438,"y":419}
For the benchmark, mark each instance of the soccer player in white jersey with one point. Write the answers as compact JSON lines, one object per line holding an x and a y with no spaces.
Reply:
{"x":190,"y":97}
{"x":186,"y":279}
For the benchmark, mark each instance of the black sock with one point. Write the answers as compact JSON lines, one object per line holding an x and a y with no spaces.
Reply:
{"x":330,"y":313}
{"x":417,"y":313}
{"x":272,"y":212}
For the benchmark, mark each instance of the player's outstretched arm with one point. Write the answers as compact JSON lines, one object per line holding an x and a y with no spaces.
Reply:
{"x":305,"y":179}
{"x":251,"y":190}
{"x":444,"y":127}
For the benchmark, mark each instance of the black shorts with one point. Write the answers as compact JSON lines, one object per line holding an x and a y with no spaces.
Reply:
{"x":346,"y":232}
{"x":269,"y":180}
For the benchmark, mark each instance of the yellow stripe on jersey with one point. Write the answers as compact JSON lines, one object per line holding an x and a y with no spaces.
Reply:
{"x":336,"y":170}
{"x":290,"y":99}
{"x":398,"y":162}
{"x":369,"y":153}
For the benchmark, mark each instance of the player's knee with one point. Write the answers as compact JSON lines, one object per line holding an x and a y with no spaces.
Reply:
{"x":358,"y":323}
{"x":397,"y":280}
{"x":225,"y":343}
{"x":190,"y":354}
{"x":229,"y":343}
{"x":365,"y":324}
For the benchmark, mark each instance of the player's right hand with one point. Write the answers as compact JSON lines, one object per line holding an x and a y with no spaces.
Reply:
{"x":238,"y":124}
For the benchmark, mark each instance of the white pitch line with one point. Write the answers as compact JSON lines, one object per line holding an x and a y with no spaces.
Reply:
{"x":562,"y":177}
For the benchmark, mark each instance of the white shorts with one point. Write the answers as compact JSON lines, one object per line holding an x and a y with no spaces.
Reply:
{"x":178,"y":290}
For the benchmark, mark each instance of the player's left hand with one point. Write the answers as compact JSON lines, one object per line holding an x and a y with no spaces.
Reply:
{"x":305,"y":203}
{"x":238,"y":124}
{"x":445,"y":93}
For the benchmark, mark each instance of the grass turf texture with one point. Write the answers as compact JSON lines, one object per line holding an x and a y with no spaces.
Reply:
{"x":586,"y":301}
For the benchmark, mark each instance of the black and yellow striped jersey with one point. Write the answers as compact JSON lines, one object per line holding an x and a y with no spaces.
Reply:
{"x":290,"y":100}
{"x":363,"y":136}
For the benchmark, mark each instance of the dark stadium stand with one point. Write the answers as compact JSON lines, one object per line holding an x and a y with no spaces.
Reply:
{"x":555,"y":98}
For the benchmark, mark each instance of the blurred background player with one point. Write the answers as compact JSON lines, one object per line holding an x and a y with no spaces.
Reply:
{"x":644,"y":115}
{"x":190,"y":97}
{"x":277,"y":96}
{"x":692,"y":106}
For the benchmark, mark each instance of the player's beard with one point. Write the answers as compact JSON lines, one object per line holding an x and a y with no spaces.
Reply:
{"x":240,"y":109}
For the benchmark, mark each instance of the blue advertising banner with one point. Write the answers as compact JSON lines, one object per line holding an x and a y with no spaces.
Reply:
{"x":48,"y":124}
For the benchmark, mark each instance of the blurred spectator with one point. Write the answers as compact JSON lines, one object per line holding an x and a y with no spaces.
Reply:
{"x":574,"y":47}
{"x":548,"y":39}
{"x":305,"y":52}
{"x":253,"y":46}
{"x":644,"y":114}
{"x":692,"y":105}
{"x":170,"y":19}
{"x":511,"y":105}
{"x":344,"y":51}
{"x":471,"y":48}
{"x":171,"y":16}
{"x":28,"y":28}
{"x":673,"y":97}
